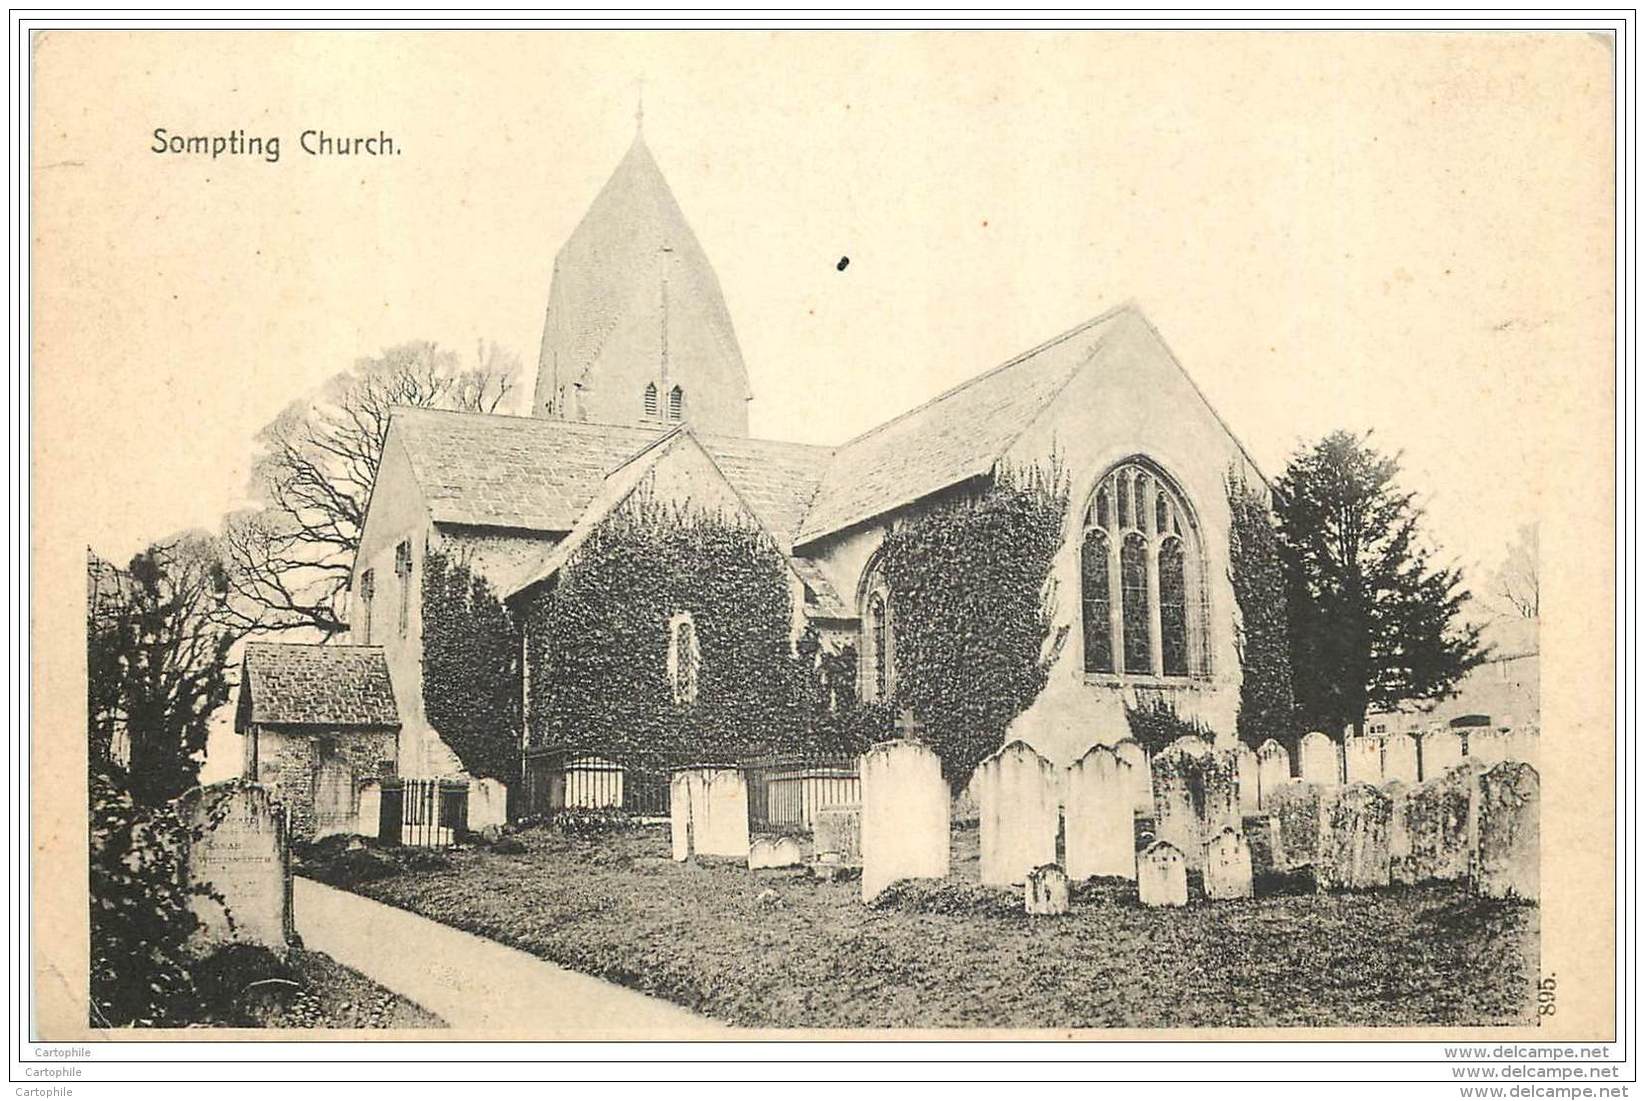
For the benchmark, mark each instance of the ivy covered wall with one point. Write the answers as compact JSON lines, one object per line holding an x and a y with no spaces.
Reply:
{"x":1267,"y":708}
{"x":471,"y":673}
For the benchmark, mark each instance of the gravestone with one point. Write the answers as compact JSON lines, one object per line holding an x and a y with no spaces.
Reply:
{"x":1362,"y":760}
{"x":1219,"y":795}
{"x":1162,"y":876}
{"x":240,"y":855}
{"x":1507,"y":861}
{"x":1250,"y":785}
{"x":1441,"y":752}
{"x":1399,"y":828}
{"x":904,"y":816}
{"x":1318,"y":760}
{"x":1018,"y":798}
{"x":1191,"y":743}
{"x":1523,"y":744}
{"x":1273,"y":770}
{"x":1355,"y":845}
{"x":371,"y":810}
{"x":1437,"y":817}
{"x":1045,"y":890}
{"x":1099,"y":833}
{"x":838,"y":830}
{"x":487,"y":804}
{"x":1179,"y":787}
{"x":773,"y":852}
{"x":1300,"y":809}
{"x":1227,"y":866}
{"x":1487,"y":747}
{"x":1262,"y":839}
{"x":708,"y":812}
{"x":1399,"y":759}
{"x":1130,"y":752}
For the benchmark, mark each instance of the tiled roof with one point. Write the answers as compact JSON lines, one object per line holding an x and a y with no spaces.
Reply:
{"x":955,"y":436}
{"x":777,"y":479}
{"x":828,"y":604}
{"x":316,"y":686}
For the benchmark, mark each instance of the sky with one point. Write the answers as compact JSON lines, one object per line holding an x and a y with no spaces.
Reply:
{"x":1403,"y":233}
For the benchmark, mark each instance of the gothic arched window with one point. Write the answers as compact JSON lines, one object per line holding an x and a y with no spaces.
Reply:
{"x":651,"y":399}
{"x":684,"y":658}
{"x":676,"y":404}
{"x":1140,"y":578}
{"x":878,"y":639}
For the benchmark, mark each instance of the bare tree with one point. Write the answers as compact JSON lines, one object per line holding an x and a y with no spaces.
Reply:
{"x":290,"y":560}
{"x":1515,"y":584}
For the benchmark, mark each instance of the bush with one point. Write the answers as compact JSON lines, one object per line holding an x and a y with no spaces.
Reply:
{"x":583,"y":821}
{"x":235,"y":976}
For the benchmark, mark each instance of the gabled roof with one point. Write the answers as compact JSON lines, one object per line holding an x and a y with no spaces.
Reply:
{"x":953,"y":437}
{"x":315,"y":685}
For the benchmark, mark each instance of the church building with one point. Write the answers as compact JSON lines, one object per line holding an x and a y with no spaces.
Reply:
{"x":642,"y":387}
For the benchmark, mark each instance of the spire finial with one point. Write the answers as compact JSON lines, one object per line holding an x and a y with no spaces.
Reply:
{"x":639,"y":107}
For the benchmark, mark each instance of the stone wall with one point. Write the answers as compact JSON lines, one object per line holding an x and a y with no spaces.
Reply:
{"x":317,"y":773}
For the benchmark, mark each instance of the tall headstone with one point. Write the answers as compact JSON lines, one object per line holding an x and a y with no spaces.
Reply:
{"x":1487,"y":747}
{"x":1162,"y":876}
{"x":1300,"y":808}
{"x":1507,"y":861}
{"x":1219,"y":799}
{"x":1250,"y":785}
{"x":487,"y":804}
{"x":371,"y":810}
{"x":708,"y":812}
{"x":1045,"y":890}
{"x":1130,"y":752}
{"x":1399,"y":829}
{"x":1441,"y":752}
{"x":1355,"y":853}
{"x":904,"y":815}
{"x":1362,"y":760}
{"x":1319,"y":761}
{"x":680,"y":792}
{"x":1099,"y":835}
{"x":1399,"y":759}
{"x":1273,"y":770}
{"x":1437,"y":816}
{"x":1227,"y":866}
{"x":1018,"y":797}
{"x":240,"y":857}
{"x":1179,"y":787}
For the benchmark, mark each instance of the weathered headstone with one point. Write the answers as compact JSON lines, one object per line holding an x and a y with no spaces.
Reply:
{"x":773,"y":852}
{"x":904,"y":815}
{"x":1487,"y":747}
{"x":1250,"y":785}
{"x":1437,"y":816}
{"x":1507,"y":861}
{"x":1191,"y":743}
{"x":1273,"y":770}
{"x":1179,"y":787}
{"x":1227,"y":866}
{"x":1099,"y":832}
{"x":1262,"y":839}
{"x":1362,"y":760}
{"x":839,"y":830}
{"x":487,"y":804}
{"x":1162,"y":876}
{"x":1318,"y":760}
{"x":1300,"y":808}
{"x":1045,"y":890}
{"x":1399,"y":828}
{"x":708,"y":812}
{"x":681,"y":787}
{"x":1018,"y":795}
{"x":1130,"y":752}
{"x":241,"y":858}
{"x":1355,"y":852}
{"x":1219,"y":797}
{"x":1399,"y":759}
{"x":371,"y":810}
{"x":1441,"y":752}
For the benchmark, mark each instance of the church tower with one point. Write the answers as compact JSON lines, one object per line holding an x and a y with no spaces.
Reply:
{"x":637,"y":330}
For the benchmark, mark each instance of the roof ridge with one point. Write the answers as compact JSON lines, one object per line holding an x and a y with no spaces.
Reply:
{"x":333,"y":646}
{"x":662,"y":428}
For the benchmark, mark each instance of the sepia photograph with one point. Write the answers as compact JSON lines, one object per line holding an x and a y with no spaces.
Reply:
{"x":761,"y":534}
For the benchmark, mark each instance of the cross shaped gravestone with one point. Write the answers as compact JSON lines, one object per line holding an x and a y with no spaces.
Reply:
{"x":908,"y":726}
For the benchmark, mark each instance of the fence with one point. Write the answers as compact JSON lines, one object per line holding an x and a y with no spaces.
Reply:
{"x":787,"y":791}
{"x":430,"y":813}
{"x":555,"y":780}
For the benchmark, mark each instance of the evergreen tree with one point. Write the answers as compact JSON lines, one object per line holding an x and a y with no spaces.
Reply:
{"x":1373,"y":620}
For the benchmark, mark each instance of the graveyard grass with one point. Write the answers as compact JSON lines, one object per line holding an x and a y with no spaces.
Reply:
{"x":775,"y":949}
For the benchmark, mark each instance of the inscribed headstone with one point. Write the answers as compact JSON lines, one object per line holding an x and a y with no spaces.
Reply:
{"x":1437,"y":820}
{"x":1219,"y":797}
{"x":708,"y":812}
{"x":1507,"y":861}
{"x":1227,"y":866}
{"x":1318,"y":760}
{"x":1273,"y":770}
{"x":487,"y":804}
{"x":1355,"y":852}
{"x":1300,"y":808}
{"x":1178,"y":794}
{"x":839,"y":830}
{"x":1099,"y":832}
{"x":1018,"y":796}
{"x":1162,"y":876}
{"x":241,"y":857}
{"x":904,"y":815}
{"x":1045,"y":890}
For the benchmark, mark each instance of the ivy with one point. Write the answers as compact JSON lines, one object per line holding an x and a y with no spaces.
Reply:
{"x":1266,"y":702}
{"x":972,"y":607}
{"x":1157,"y":725}
{"x":471,"y":676}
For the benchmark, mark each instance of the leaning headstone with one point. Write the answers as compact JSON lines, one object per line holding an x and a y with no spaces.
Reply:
{"x":1017,"y":802}
{"x":1507,"y":861}
{"x":1178,"y":778}
{"x":838,"y":830}
{"x":370,"y":823}
{"x":487,"y":804}
{"x":1045,"y":890}
{"x":1437,"y":816}
{"x":1273,"y":770}
{"x":1441,"y":752}
{"x":1301,"y":810}
{"x":904,"y":815}
{"x":1227,"y":866}
{"x":773,"y":852}
{"x":1130,"y":752}
{"x":1362,"y":760}
{"x":1250,"y":786}
{"x":1318,"y":760}
{"x":1488,"y":747}
{"x":1355,"y":853}
{"x":239,"y":856}
{"x":1162,"y":876}
{"x":1399,"y":759}
{"x":1099,"y":835}
{"x":1219,"y":795}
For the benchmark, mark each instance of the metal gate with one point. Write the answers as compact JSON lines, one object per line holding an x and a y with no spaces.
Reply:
{"x":430,"y":813}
